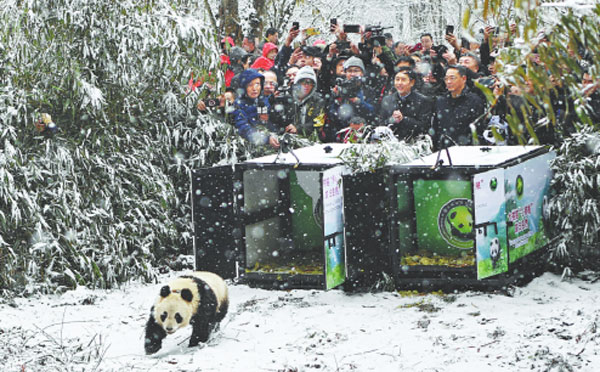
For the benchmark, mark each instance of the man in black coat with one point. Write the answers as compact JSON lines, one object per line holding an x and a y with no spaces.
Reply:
{"x":457,"y":115}
{"x":351,"y":98}
{"x":408,"y":111}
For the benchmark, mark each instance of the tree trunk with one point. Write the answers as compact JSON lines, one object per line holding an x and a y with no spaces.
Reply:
{"x":230,"y":19}
{"x":261,"y":12}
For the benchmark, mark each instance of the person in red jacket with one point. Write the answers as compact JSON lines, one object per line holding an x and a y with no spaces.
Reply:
{"x":267,"y":60}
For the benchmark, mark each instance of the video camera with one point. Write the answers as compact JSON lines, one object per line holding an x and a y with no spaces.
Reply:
{"x":283,"y":95}
{"x":348,"y":88}
{"x":440,"y":49}
{"x":377,"y":38}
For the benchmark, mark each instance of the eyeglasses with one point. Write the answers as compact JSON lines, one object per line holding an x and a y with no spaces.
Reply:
{"x":306,"y":82}
{"x":271,"y":83}
{"x":356,"y":70}
{"x":450,"y":78}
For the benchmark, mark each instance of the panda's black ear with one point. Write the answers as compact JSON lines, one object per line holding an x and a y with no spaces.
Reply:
{"x":164,"y":291}
{"x":187,"y":295}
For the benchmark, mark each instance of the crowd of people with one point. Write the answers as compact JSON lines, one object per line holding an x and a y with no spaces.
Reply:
{"x":334,"y":92}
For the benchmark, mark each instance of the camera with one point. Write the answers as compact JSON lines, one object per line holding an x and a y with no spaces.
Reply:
{"x":487,"y":82}
{"x":332,"y":24}
{"x":283,"y":97}
{"x":449,"y":29}
{"x":351,"y":29}
{"x":295,"y":25}
{"x":376,"y":39}
{"x":342,"y":45}
{"x":286,"y":143}
{"x":211,"y":102}
{"x":464,"y":43}
{"x":348,"y":88}
{"x":440,"y":49}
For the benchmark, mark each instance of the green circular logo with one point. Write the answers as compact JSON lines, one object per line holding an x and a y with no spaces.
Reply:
{"x":455,"y":223}
{"x":494,"y":184}
{"x":520,"y":186}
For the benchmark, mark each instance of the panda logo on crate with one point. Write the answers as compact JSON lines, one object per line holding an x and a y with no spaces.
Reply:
{"x":495,"y":251}
{"x":199,"y":299}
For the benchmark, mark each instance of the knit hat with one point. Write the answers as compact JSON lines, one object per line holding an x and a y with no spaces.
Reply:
{"x":306,"y":72}
{"x":354,"y":62}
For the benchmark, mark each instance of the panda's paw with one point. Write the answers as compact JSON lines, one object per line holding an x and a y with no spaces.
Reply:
{"x":152,"y":347}
{"x":197,"y":339}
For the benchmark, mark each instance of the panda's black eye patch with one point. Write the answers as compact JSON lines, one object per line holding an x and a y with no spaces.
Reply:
{"x":178,"y":318}
{"x":163,"y":316}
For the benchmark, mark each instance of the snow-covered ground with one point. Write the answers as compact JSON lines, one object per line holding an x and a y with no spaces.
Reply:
{"x":548,"y":325}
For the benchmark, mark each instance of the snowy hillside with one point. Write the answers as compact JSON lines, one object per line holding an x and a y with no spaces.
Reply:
{"x":548,"y":325}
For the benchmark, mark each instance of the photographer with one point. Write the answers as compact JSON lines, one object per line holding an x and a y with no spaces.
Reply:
{"x":221,"y":106}
{"x":373,"y":46}
{"x":433,"y":70}
{"x":340,"y":45}
{"x":432,"y":77}
{"x":351,"y":98}
{"x":302,"y":111}
{"x":427,"y":44}
{"x":332,"y":71}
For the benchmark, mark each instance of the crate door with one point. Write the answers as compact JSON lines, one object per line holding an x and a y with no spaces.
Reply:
{"x":333,"y":227}
{"x":490,"y":223}
{"x":526,"y":194}
{"x":213,"y":220}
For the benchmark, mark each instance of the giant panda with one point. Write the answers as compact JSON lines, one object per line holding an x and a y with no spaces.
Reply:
{"x":199,"y":299}
{"x":495,"y":251}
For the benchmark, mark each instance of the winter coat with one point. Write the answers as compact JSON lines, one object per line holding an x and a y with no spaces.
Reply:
{"x":229,"y":74}
{"x":281,"y":63}
{"x":432,"y":90}
{"x":245,"y":114}
{"x":417,"y":112}
{"x":453,"y":118}
{"x":307,"y":115}
{"x":264,"y":62}
{"x":341,"y":110}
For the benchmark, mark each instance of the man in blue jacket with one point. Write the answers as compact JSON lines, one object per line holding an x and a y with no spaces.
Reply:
{"x":250,"y":114}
